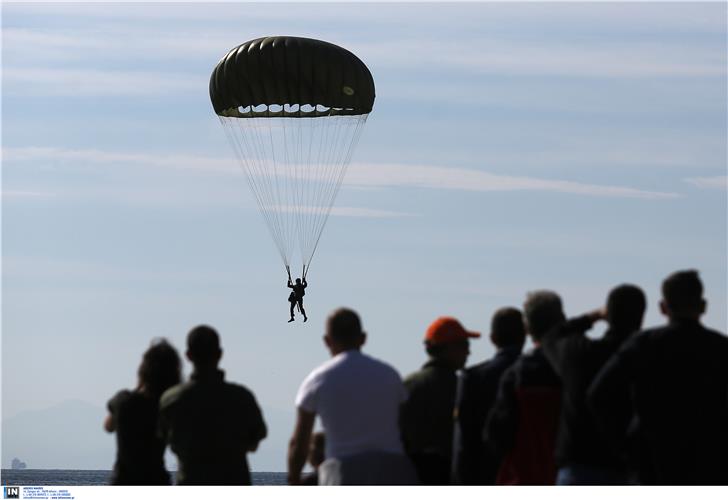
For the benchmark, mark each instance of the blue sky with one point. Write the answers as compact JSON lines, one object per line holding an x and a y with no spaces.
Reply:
{"x":512,"y":147}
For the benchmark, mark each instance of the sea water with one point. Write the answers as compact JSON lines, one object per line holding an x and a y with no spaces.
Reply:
{"x":62,"y":477}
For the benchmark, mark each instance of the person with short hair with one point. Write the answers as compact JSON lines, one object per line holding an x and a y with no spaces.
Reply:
{"x":209,"y":423}
{"x":133,"y":416}
{"x":473,"y":464}
{"x":427,"y":417}
{"x":520,"y":431}
{"x":664,"y":395}
{"x":357,"y":398}
{"x":582,"y":454}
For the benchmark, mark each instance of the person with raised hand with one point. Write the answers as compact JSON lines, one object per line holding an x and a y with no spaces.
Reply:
{"x":662,"y":399}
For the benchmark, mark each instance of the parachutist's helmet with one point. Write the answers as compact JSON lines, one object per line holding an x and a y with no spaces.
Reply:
{"x":298,"y":281}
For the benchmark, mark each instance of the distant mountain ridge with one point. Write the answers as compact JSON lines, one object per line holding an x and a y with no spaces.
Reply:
{"x":69,"y":435}
{"x":66,"y":435}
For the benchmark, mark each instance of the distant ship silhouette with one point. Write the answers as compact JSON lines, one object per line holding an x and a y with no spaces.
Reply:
{"x":17,"y":464}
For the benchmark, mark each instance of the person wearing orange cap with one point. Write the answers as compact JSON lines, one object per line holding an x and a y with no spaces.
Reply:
{"x":427,"y":417}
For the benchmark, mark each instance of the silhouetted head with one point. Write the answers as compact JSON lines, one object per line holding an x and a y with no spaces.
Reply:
{"x":160,"y":369}
{"x":507,"y":328}
{"x":343,"y":331}
{"x":626,"y":306}
{"x":543,"y":311}
{"x":316,"y":450}
{"x":298,"y":281}
{"x":447,"y":341}
{"x":682,"y":296}
{"x":203,"y":347}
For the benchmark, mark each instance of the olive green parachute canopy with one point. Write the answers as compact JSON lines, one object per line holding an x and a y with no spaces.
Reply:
{"x":293,"y":110}
{"x":292,"y":77}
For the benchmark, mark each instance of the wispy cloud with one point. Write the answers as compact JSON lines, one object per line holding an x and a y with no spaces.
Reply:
{"x":718,"y":182}
{"x":539,"y":57}
{"x":435,"y":177}
{"x":37,"y":59}
{"x":97,"y":82}
{"x":110,"y":158}
{"x":344,"y":211}
{"x":359,"y":175}
{"x":18,"y":194}
{"x":102,"y":44}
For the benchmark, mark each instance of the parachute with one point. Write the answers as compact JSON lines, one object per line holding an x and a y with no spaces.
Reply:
{"x":293,"y":110}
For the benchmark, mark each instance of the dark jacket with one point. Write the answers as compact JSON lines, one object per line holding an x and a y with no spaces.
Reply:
{"x":299,"y":290}
{"x":139,"y":451}
{"x":521,"y":428}
{"x":669,"y":387}
{"x":426,"y":421}
{"x":210,"y":425}
{"x":473,"y":464}
{"x":577,"y":359}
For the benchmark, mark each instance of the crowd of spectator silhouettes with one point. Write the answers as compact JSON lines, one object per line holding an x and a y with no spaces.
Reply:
{"x":633,"y":406}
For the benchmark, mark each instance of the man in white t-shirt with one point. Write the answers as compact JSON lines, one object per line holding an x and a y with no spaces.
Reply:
{"x":358,"y":399}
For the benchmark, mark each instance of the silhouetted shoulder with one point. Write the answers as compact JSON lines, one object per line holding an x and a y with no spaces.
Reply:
{"x":719,"y":338}
{"x":532,"y":368}
{"x":119,"y":399}
{"x":239,"y":391}
{"x":488,"y":368}
{"x":172,"y":394}
{"x":389,"y":372}
{"x":692,"y":333}
{"x":385,"y":367}
{"x":640,"y":339}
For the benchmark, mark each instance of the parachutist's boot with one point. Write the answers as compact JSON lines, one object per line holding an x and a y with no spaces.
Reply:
{"x":292,"y":319}
{"x":305,"y":318}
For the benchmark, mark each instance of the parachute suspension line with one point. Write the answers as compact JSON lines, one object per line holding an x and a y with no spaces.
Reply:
{"x":330,"y":165}
{"x":286,"y":166}
{"x":295,"y":170}
{"x":254,"y":129}
{"x":356,"y":135}
{"x":320,"y":135}
{"x":242,"y":151}
{"x":331,"y":168}
{"x":312,"y":164}
{"x":253,"y":166}
{"x":274,"y":179}
{"x":328,"y":174}
{"x":277,"y":181}
{"x":301,"y":170}
{"x":301,"y":126}
{"x":266,"y":137}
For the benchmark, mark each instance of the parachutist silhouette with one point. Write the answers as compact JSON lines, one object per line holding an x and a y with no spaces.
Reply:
{"x":296,"y":297}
